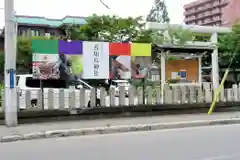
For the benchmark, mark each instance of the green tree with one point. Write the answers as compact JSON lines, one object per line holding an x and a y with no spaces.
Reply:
{"x":229,"y":47}
{"x":158,"y":13}
{"x":24,"y":52}
{"x":107,"y":28}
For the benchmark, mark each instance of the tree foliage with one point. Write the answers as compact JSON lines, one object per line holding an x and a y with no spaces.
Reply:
{"x":229,"y":49}
{"x":228,"y":45}
{"x":24,"y":54}
{"x":108,"y":28}
{"x":158,"y":13}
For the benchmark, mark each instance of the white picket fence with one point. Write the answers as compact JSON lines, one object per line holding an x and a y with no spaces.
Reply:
{"x":67,"y":99}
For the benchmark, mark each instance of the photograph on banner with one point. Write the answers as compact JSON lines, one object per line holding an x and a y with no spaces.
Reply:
{"x":140,"y":66}
{"x":120,"y":60}
{"x":45,"y":59}
{"x":141,"y":60}
{"x":95,"y":60}
{"x":45,"y":66}
{"x":57,"y":66}
{"x":70,"y":55}
{"x":120,"y":67}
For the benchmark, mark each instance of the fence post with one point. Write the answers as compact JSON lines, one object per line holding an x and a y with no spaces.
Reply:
{"x":168,"y":96}
{"x":82,"y":97}
{"x":158,"y":96}
{"x":72,"y":99}
{"x":207,"y":92}
{"x":165,"y":94}
{"x":140,"y":95}
{"x":200,"y":95}
{"x":131,"y":95}
{"x":176,"y":95}
{"x":149,"y":95}
{"x":222,"y":95}
{"x":183,"y":94}
{"x":235,"y":92}
{"x":192,"y":94}
{"x":28,"y":99}
{"x":112,"y":97}
{"x":61,"y":100}
{"x":93,"y":97}
{"x":102,"y":97}
{"x":229,"y":95}
{"x":39,"y":99}
{"x":50,"y":98}
{"x":122,"y":96}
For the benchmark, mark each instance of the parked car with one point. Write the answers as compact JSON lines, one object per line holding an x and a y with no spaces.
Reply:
{"x":26,"y":82}
{"x":117,"y":83}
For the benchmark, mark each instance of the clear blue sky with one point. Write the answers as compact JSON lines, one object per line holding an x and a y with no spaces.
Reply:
{"x":60,"y":8}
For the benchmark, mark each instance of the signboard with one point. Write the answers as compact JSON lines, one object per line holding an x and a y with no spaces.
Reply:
{"x":95,"y":60}
{"x":45,"y":59}
{"x":54,"y":59}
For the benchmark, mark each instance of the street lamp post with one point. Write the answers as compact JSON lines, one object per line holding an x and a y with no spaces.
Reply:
{"x":10,"y":94}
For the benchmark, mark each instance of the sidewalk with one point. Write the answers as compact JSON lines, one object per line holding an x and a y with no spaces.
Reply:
{"x":80,"y":124}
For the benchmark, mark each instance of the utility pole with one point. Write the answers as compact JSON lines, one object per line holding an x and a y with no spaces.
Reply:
{"x":10,"y":92}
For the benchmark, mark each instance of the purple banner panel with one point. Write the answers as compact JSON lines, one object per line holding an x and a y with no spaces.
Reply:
{"x":70,"y":47}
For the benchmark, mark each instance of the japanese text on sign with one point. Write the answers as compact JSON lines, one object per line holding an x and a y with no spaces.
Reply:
{"x":96,"y":60}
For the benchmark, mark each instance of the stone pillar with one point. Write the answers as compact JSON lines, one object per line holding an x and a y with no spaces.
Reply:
{"x":163,"y":75}
{"x":200,"y":70}
{"x":215,"y":68}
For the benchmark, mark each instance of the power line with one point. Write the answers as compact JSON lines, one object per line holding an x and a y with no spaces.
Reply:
{"x":105,"y":4}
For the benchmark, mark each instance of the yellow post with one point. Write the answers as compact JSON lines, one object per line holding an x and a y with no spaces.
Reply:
{"x":217,"y":92}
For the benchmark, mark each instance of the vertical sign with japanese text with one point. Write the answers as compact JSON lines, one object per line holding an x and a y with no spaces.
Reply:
{"x":95,"y":60}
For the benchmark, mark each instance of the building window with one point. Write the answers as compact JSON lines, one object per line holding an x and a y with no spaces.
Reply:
{"x":52,"y":33}
{"x":32,"y":33}
{"x":35,"y":33}
{"x":47,"y":34}
{"x":22,"y":32}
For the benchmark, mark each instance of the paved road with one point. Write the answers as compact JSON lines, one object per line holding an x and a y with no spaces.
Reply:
{"x":203,"y":143}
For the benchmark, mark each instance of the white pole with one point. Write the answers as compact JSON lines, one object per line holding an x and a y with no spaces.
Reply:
{"x":163,"y":75}
{"x":215,"y":72}
{"x":10,"y":93}
{"x":200,"y":70}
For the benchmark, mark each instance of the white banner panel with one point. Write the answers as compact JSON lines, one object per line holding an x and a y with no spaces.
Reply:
{"x":95,"y":60}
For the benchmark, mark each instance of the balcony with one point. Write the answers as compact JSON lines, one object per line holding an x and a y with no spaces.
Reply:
{"x":210,"y":22}
{"x":205,"y":8}
{"x":204,"y":16}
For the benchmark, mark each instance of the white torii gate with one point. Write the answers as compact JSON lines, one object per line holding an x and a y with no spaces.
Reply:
{"x":213,"y":30}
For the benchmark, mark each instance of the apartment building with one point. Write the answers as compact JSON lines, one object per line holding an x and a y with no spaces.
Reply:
{"x":212,"y":12}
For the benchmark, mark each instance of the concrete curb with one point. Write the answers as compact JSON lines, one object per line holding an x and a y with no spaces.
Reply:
{"x":116,"y":129}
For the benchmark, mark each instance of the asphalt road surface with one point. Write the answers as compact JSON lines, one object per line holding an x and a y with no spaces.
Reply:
{"x":203,"y":143}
